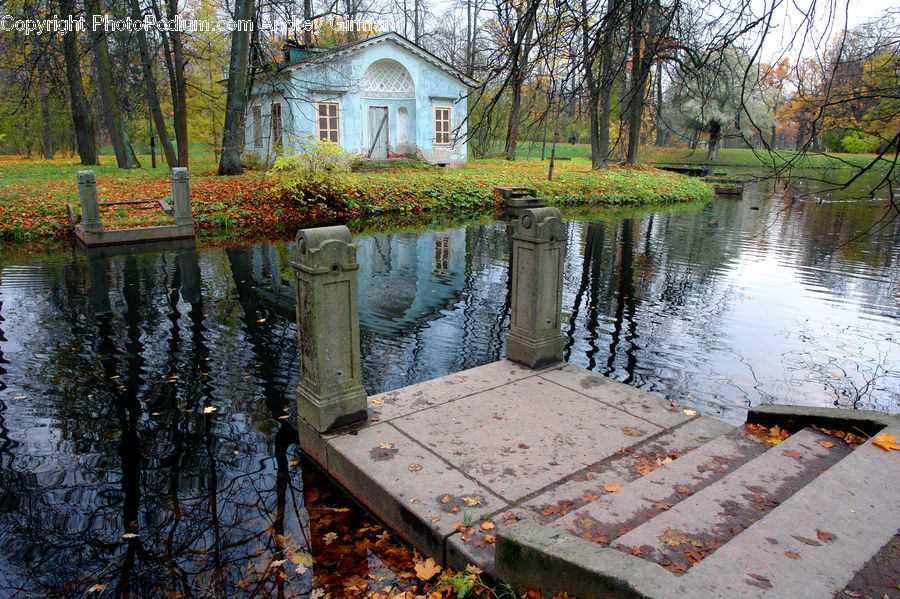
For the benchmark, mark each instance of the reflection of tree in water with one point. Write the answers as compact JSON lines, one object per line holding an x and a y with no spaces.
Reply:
{"x":138,"y":489}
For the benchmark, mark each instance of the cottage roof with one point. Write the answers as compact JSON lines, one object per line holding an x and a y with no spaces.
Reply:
{"x":328,"y":54}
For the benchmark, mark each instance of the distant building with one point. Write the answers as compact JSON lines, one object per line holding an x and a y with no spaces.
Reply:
{"x":381,"y":97}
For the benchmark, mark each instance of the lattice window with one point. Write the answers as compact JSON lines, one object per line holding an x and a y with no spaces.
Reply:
{"x":277,"y":130}
{"x":442,"y":126}
{"x":386,"y":80}
{"x":328,"y":121}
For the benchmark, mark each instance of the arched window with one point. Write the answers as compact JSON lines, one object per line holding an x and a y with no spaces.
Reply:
{"x":387,"y":79}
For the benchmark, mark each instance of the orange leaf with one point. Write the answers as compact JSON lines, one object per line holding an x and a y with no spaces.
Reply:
{"x":612,"y":488}
{"x":487,"y":525}
{"x":886,"y":442}
{"x":792,"y":454}
{"x":826,"y":444}
{"x":427,"y":569}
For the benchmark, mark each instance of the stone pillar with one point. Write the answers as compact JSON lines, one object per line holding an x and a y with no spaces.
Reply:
{"x":90,"y":209}
{"x":181,"y":196}
{"x":538,"y":251}
{"x":330,"y":393}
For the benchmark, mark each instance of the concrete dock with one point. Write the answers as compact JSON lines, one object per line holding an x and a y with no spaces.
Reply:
{"x":562,"y":479}
{"x":547,"y":475}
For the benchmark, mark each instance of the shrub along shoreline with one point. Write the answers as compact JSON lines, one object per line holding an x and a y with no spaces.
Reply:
{"x":34,"y":193}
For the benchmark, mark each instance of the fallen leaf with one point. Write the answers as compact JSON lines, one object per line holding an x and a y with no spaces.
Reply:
{"x":209,"y":409}
{"x":588,"y":498}
{"x":824,"y":536}
{"x":689,"y":412}
{"x":474,"y":569}
{"x":792,"y":554}
{"x":826,"y":444}
{"x":674,"y":538}
{"x":330,"y":537}
{"x":792,"y":454}
{"x":445,"y":499}
{"x":631,"y":431}
{"x":473,"y":500}
{"x":806,"y":541}
{"x":489,"y":539}
{"x":415,"y":467}
{"x":886,"y":442}
{"x":684,"y":490}
{"x":426,"y":570}
{"x":377,"y":401}
{"x":97,"y":588}
{"x":662,"y":506}
{"x":293,"y":463}
{"x":317,"y":593}
{"x":386,"y":446}
{"x":302,"y":559}
{"x":487,"y":525}
{"x":612,"y":488}
{"x":277,"y":563}
{"x":129,"y":535}
{"x":853,"y":593}
{"x":585,"y":523}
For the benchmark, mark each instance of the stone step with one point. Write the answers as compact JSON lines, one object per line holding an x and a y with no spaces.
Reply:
{"x":698,"y":525}
{"x":570,"y":494}
{"x":811,"y":545}
{"x":626,"y":465}
{"x":614,"y":514}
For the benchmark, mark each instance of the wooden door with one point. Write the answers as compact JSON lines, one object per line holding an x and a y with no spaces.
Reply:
{"x":378,"y":132}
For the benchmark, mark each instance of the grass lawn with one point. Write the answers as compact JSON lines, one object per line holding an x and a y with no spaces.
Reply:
{"x":34,"y":193}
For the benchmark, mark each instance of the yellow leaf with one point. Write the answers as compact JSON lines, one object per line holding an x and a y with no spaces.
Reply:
{"x":690,"y":412}
{"x":474,"y":500}
{"x":97,"y":588}
{"x":209,"y":409}
{"x":773,"y":440}
{"x":427,"y":569}
{"x":377,"y":401}
{"x":474,"y":569}
{"x":386,"y":445}
{"x":886,"y":442}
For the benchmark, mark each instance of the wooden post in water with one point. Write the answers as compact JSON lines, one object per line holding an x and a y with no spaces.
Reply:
{"x":330,"y":393}
{"x":538,"y":252}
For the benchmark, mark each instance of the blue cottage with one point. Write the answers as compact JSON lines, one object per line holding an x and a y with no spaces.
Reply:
{"x":381,"y":97}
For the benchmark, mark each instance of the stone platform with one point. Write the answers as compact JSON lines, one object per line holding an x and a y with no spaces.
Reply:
{"x":590,"y":486}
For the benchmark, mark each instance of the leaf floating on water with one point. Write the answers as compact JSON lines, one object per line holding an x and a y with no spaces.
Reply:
{"x":330,"y":537}
{"x":690,"y":412}
{"x":97,"y":588}
{"x":886,"y":442}
{"x":129,"y":535}
{"x":317,"y":593}
{"x":209,"y":409}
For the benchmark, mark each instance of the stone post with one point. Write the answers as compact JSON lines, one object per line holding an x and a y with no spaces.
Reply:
{"x":538,"y":251}
{"x":181,"y":196}
{"x":330,"y":393}
{"x":90,"y":209}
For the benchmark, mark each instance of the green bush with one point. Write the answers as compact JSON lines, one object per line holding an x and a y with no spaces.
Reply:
{"x":314,"y":173}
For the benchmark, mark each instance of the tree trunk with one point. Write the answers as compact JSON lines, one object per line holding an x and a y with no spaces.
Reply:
{"x":593,"y":93}
{"x":150,"y":91}
{"x":715,"y":130}
{"x":47,"y":148}
{"x":179,"y":89}
{"x":236,"y":98}
{"x":81,"y":115}
{"x":521,"y":49}
{"x":112,"y":113}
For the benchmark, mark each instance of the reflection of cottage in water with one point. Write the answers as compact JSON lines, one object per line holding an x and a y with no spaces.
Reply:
{"x":409,"y":278}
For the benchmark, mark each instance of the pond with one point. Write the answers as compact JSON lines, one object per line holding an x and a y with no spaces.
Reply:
{"x":146,"y":398}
